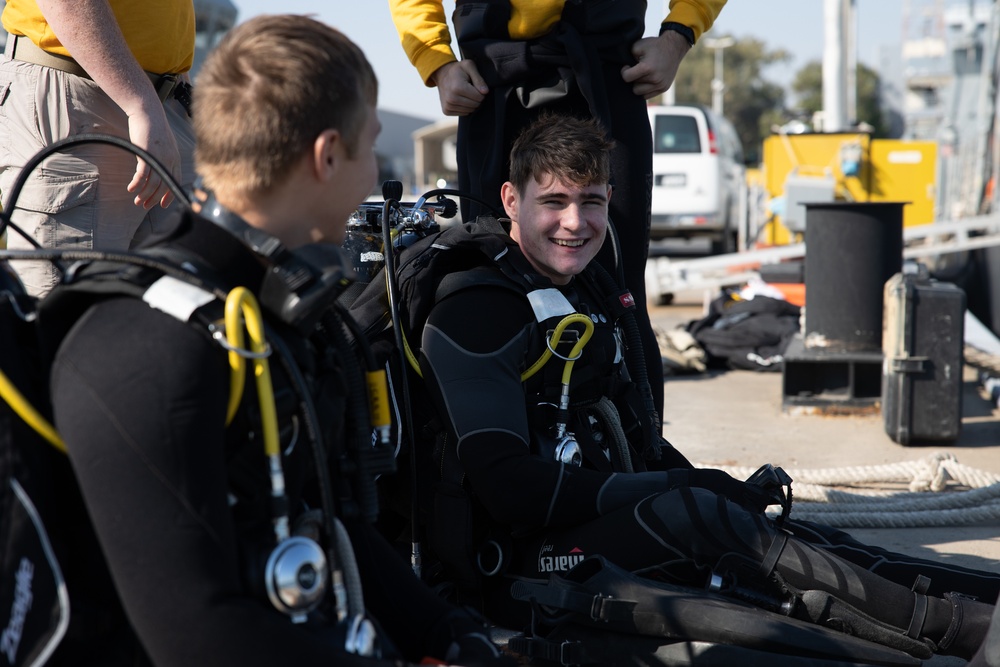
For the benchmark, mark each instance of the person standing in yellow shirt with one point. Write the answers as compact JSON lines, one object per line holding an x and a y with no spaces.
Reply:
{"x":571,"y":56}
{"x":114,"y":67}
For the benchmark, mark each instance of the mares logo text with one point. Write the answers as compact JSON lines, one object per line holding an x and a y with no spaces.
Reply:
{"x":559,"y":563}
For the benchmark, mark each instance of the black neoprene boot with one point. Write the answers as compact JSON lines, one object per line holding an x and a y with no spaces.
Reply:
{"x":970,"y":621}
{"x":956,"y":625}
{"x":953,"y":625}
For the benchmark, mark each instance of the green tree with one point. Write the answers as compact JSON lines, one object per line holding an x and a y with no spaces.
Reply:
{"x":749,"y":101}
{"x":808,"y":87}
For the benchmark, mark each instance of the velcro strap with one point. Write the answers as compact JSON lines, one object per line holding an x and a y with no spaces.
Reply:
{"x":921,"y":584}
{"x":919,"y":615}
{"x":957,"y":616}
{"x":773,"y":554}
{"x":920,"y":587}
{"x":594,"y":607}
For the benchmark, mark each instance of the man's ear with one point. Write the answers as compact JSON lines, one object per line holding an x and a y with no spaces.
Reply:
{"x":328,"y":150}
{"x":510,"y":199}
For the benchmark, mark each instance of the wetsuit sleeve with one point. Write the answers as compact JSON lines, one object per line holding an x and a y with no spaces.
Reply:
{"x":140,"y":400}
{"x":699,"y":15}
{"x":423,"y":32}
{"x":473,"y":351}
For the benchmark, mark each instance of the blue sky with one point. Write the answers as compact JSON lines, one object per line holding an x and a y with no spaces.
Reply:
{"x":794,"y":25}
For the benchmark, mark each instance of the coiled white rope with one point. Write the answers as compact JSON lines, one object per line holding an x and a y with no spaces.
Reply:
{"x":940,"y":491}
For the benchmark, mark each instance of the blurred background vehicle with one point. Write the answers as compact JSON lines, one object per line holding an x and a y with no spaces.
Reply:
{"x":699,"y":179}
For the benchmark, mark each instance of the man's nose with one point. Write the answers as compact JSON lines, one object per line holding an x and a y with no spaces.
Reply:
{"x":573,"y":217}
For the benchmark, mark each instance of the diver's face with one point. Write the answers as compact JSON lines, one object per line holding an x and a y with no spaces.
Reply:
{"x":356,"y":177}
{"x":559,"y":226}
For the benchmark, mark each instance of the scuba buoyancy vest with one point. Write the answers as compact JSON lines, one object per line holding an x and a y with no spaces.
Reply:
{"x":42,"y":518}
{"x":475,"y":255}
{"x":34,"y":602}
{"x":481,"y":254}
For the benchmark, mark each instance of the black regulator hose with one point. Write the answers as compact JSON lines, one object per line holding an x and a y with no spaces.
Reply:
{"x":635,"y":358}
{"x":324,"y":475}
{"x":617,"y":251}
{"x":358,"y":425}
{"x":461,"y":195}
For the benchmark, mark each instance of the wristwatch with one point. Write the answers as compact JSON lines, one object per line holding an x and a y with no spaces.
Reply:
{"x":687,"y":32}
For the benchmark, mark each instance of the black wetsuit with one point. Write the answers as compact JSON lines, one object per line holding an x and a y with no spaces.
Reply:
{"x":475,"y":345}
{"x":584,"y":54}
{"x":179,"y":502}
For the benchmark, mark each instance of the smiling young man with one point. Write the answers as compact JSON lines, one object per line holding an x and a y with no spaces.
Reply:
{"x":559,"y":222}
{"x":548,"y":454}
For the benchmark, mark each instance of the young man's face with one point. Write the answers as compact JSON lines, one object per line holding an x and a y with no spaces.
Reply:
{"x":356,"y":180}
{"x":559,"y":226}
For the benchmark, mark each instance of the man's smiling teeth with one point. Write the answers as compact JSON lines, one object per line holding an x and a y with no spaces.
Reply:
{"x":574,"y":243}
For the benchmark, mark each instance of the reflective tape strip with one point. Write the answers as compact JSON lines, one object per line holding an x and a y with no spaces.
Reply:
{"x":548,"y":303}
{"x":176,"y":298}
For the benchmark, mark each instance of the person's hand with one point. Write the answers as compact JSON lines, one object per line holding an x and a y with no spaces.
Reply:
{"x":658,"y":59}
{"x":460,"y":87}
{"x":151,"y":132}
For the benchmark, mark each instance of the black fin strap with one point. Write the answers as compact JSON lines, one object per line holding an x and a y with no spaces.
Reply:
{"x":920,"y":587}
{"x":919,"y":615}
{"x":595,"y":607}
{"x":957,"y":616}
{"x":773,"y":554}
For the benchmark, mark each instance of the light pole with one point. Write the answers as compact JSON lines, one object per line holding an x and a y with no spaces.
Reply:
{"x":718,"y":85}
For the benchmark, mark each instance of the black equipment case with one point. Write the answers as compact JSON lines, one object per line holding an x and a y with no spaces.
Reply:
{"x":923,"y":333}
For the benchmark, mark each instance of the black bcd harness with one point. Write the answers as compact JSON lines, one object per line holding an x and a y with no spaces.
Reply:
{"x":474,"y":255}
{"x":41,"y":509}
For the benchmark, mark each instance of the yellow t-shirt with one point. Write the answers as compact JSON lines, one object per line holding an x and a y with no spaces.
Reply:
{"x":426,"y":39}
{"x":160,"y":33}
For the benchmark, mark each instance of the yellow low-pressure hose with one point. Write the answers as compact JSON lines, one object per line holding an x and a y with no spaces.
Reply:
{"x":242,"y":310}
{"x":26,"y":411}
{"x":237,"y":359}
{"x":242,"y":307}
{"x":574,"y":354}
{"x":588,"y":331}
{"x":544,"y":358}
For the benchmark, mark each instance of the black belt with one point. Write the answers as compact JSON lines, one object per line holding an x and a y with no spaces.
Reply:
{"x":23,"y":49}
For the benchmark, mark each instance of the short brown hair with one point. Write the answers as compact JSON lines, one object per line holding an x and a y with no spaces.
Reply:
{"x":573,"y":149}
{"x":273,"y":84}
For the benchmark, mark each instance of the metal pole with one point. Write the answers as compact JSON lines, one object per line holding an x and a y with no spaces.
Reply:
{"x":718,"y":83}
{"x":834,"y":68}
{"x":851,"y":74}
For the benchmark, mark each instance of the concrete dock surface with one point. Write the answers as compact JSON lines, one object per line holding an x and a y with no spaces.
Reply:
{"x":736,"y":419}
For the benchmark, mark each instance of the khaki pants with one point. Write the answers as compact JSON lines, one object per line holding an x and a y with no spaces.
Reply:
{"x":76,"y":198}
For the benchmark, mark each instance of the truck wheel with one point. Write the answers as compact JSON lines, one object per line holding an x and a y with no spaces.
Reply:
{"x":724,"y":244}
{"x":664,"y":299}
